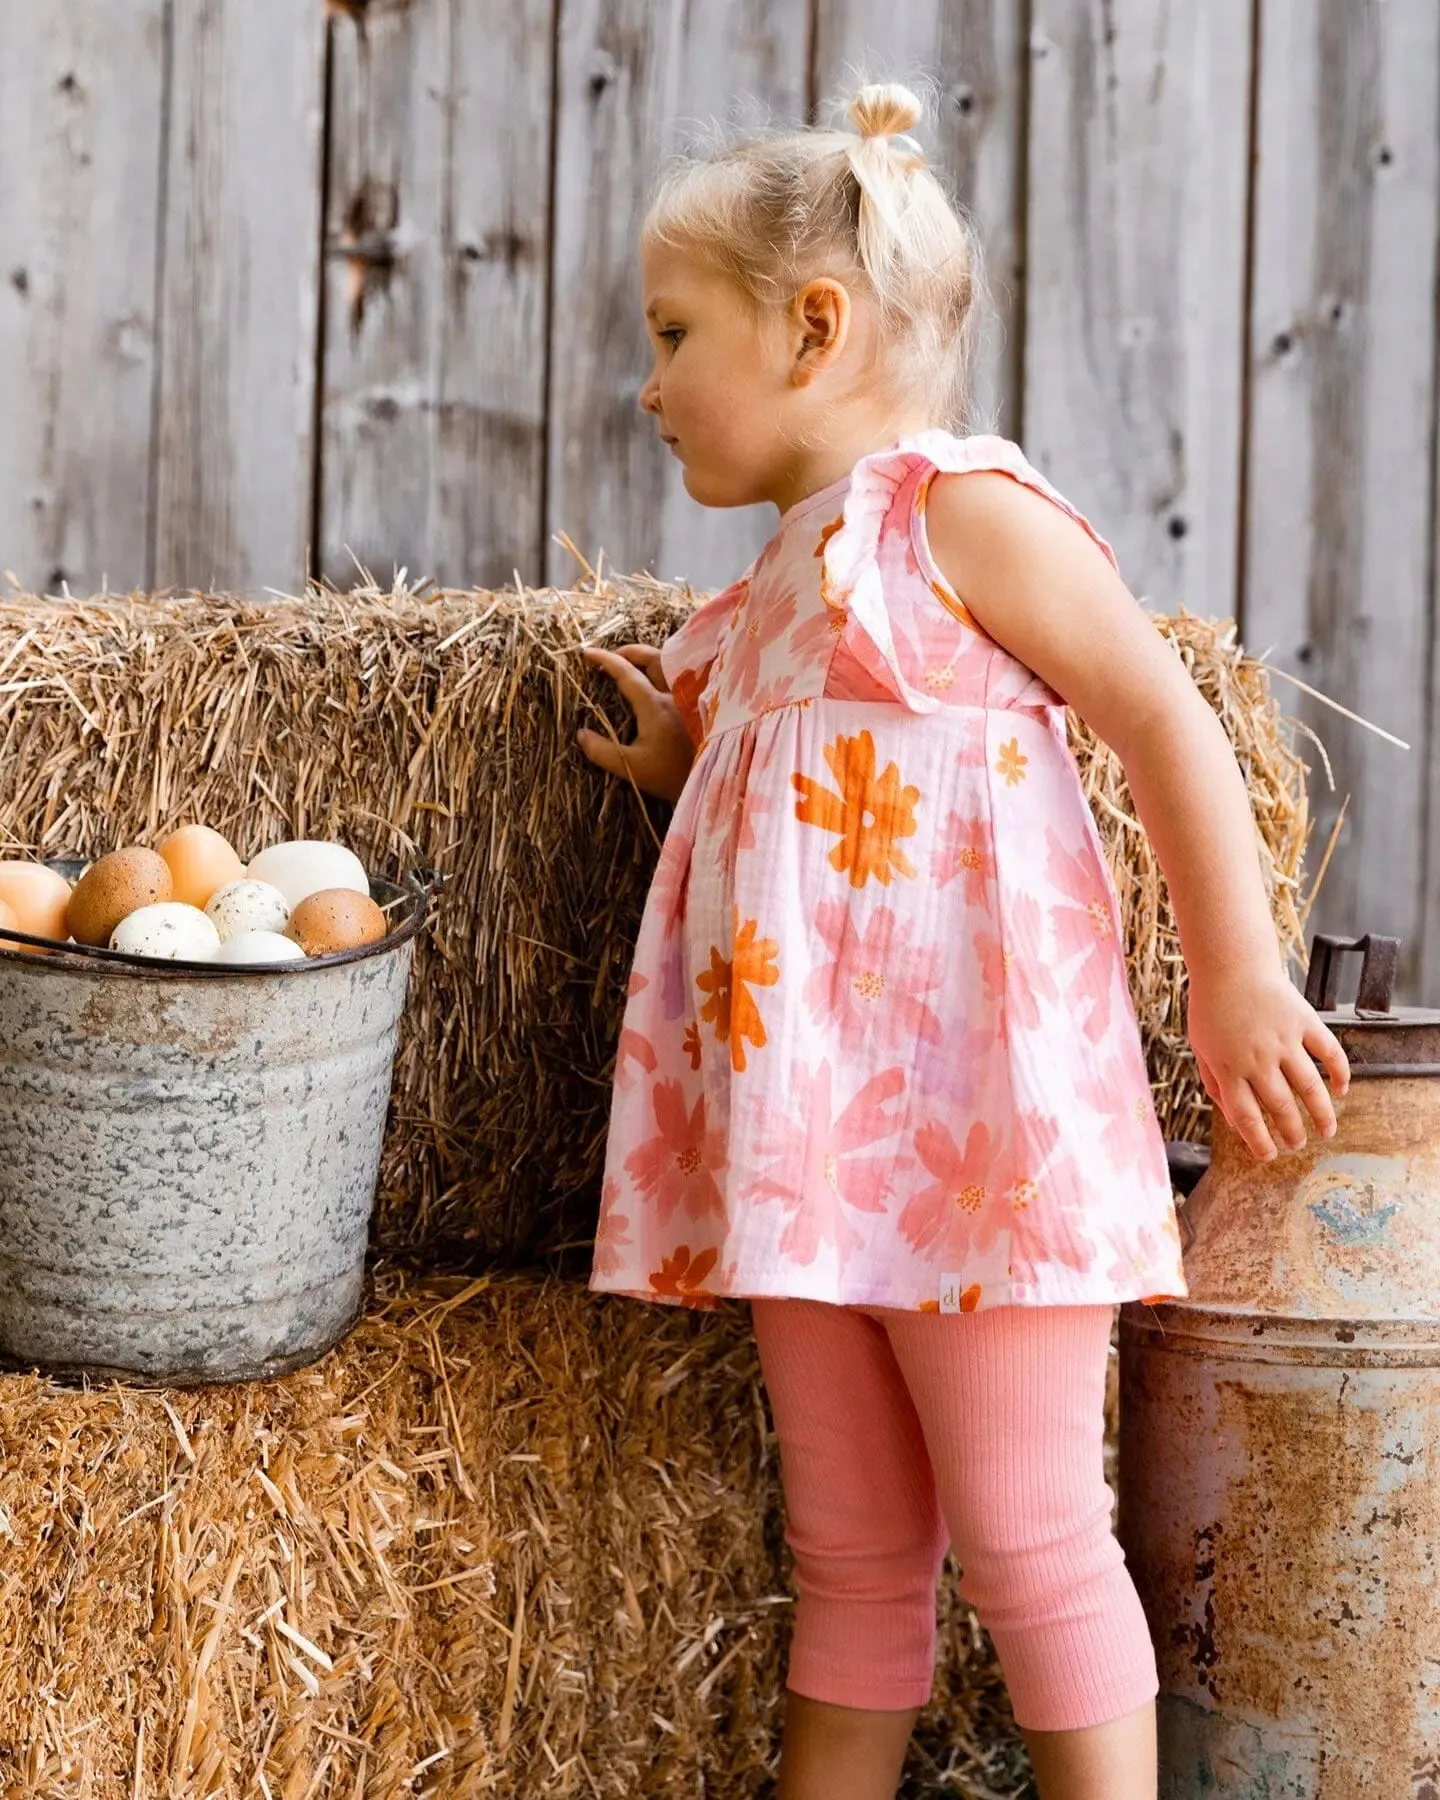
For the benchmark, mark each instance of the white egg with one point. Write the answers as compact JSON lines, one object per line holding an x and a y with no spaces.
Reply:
{"x":168,"y":930}
{"x":247,"y":906}
{"x":258,"y":947}
{"x":308,"y":866}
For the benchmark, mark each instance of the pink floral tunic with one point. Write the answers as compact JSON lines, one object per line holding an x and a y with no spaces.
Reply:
{"x":879,"y":1047}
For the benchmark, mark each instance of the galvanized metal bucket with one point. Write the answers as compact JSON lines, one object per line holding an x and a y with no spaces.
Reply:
{"x":189,"y":1153}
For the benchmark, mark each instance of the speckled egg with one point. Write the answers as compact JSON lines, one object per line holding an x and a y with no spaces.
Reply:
{"x":258,"y":947}
{"x":113,"y":888}
{"x":169,"y":931}
{"x":247,"y":906}
{"x":335,"y":919}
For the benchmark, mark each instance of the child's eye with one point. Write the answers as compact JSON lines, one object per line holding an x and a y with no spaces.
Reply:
{"x":672,"y":336}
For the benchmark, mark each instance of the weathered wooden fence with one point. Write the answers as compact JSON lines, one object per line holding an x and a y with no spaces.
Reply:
{"x":284,"y":285}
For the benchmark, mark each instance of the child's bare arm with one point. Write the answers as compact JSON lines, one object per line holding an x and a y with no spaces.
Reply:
{"x":1042,"y":589}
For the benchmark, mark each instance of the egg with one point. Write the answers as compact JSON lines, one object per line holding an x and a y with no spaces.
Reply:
{"x":258,"y":947}
{"x":308,"y":866}
{"x":8,"y":919}
{"x":168,"y":930}
{"x":201,"y":861}
{"x":37,"y":897}
{"x":113,"y":888}
{"x":335,"y":919}
{"x":247,"y":906}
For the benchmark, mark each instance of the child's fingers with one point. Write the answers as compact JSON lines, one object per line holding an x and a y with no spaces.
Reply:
{"x":604,"y":752}
{"x":1243,"y":1111}
{"x":1273,"y":1092}
{"x":636,"y":687}
{"x":1314,"y":1096}
{"x":647,"y":657}
{"x":1323,"y":1044}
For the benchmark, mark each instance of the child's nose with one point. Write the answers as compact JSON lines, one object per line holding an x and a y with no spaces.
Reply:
{"x":650,"y":395}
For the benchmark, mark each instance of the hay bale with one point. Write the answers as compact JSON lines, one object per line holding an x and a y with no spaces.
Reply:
{"x":438,"y":727}
{"x":510,"y":1538}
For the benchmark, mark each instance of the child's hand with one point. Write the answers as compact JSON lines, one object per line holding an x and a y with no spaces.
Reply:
{"x":658,"y":757}
{"x":1254,"y":1039}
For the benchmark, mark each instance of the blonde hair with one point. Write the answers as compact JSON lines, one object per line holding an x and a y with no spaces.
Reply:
{"x":776,"y":209}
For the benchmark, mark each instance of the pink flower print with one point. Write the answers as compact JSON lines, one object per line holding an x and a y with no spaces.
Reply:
{"x":941,"y":1218}
{"x":678,"y":1166}
{"x":1084,"y":927}
{"x":1125,"y":1111}
{"x":930,"y":645}
{"x":1136,"y":1258}
{"x":633,"y":1051}
{"x":972,"y":753}
{"x":966,"y":849}
{"x":815,"y":637}
{"x":674,"y":990}
{"x":951,"y":1069}
{"x":671,"y":879}
{"x":732,"y":803}
{"x":872,"y":988}
{"x":763,"y":618}
{"x":1014,"y":972}
{"x":636,"y":983}
{"x":612,"y":1230}
{"x":818,"y":1166}
{"x":1046,"y":1203}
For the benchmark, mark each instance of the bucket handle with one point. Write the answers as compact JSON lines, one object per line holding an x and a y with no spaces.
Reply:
{"x":1379,"y":957}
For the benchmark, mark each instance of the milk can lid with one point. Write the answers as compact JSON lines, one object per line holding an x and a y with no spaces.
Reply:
{"x":1377,"y":1036}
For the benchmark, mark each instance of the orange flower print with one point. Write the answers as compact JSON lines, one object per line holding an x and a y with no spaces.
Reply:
{"x":1011,"y":763}
{"x":966,"y":849}
{"x":833,"y":601}
{"x":731,"y":1007}
{"x":939,"y":1218}
{"x":869,"y":813}
{"x":686,"y":687}
{"x":691,"y":1044}
{"x":970,"y":1299}
{"x":682,"y":1275}
{"x":1084,"y":927}
{"x":953,"y":604}
{"x":678,"y":1166}
{"x":828,"y":531}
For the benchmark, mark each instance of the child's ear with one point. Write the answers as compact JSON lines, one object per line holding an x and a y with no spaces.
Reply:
{"x":820,"y":326}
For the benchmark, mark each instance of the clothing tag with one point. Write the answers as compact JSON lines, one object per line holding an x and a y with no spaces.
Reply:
{"x":949,"y":1293}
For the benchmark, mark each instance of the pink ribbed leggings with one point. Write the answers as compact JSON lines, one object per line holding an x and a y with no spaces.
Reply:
{"x":900,"y":1432}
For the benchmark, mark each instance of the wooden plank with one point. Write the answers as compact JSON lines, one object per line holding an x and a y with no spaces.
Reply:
{"x":433,"y":417}
{"x":634,"y":80}
{"x":239,"y":294}
{"x":972,"y":57}
{"x":1136,"y":231}
{"x":1342,"y":381}
{"x":81,"y":116}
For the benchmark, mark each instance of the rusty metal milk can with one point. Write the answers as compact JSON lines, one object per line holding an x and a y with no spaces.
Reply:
{"x":1279,"y":1474}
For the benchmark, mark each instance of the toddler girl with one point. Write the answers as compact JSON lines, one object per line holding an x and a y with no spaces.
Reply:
{"x":879,"y":1069}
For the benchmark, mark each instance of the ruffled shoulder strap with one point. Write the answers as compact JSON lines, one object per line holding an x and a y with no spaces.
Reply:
{"x":885,"y":490}
{"x":688,"y":652}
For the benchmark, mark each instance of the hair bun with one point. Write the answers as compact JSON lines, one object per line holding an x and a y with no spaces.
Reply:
{"x":883,"y":109}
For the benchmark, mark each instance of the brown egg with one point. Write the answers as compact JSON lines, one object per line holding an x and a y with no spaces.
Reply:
{"x":201,"y":863}
{"x":114,"y":887}
{"x":9,"y":921}
{"x":335,"y":919}
{"x":37,"y":896}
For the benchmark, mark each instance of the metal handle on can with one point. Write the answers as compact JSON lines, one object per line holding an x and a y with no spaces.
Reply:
{"x":1379,"y":957}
